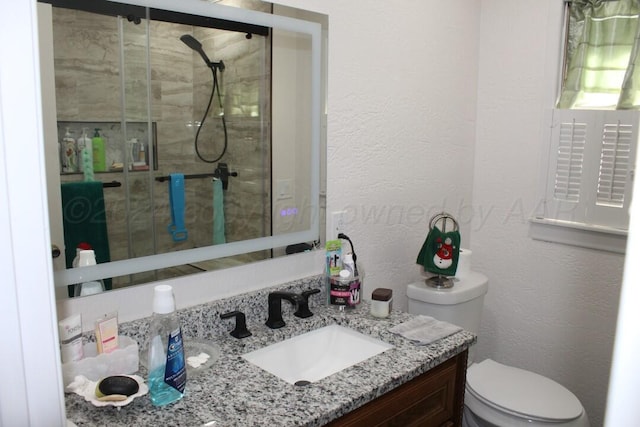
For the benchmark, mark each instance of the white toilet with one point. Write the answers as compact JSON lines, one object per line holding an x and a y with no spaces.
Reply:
{"x":496,"y":395}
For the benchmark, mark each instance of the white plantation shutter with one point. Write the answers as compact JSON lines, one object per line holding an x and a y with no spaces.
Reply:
{"x":569,"y":161}
{"x":615,"y":164}
{"x":590,"y":168}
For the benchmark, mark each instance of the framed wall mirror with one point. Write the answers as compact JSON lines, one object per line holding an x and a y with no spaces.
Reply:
{"x":180,"y":136}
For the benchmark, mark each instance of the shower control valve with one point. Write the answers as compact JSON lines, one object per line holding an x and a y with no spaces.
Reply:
{"x":223,"y":174}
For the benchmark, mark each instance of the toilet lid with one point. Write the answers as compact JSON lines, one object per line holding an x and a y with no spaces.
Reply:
{"x":522,"y":393}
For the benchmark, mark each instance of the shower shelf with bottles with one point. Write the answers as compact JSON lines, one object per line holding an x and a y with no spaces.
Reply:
{"x":122,"y":149}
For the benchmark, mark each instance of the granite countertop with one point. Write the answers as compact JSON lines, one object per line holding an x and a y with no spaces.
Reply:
{"x":234,"y":392}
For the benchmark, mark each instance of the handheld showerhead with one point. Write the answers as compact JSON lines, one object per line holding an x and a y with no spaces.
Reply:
{"x":194,"y":44}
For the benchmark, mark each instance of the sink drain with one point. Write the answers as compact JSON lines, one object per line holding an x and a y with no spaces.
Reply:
{"x":301,"y":383}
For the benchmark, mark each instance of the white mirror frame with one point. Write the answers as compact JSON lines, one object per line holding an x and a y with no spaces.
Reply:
{"x":153,"y":262}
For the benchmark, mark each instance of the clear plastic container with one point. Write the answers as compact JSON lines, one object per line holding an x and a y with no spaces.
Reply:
{"x":345,"y":290}
{"x":95,"y":366}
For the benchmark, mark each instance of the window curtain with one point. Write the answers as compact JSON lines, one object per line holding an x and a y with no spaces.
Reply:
{"x":603,"y":45}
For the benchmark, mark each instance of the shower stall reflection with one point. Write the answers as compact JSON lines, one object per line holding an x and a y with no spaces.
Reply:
{"x":110,"y":69}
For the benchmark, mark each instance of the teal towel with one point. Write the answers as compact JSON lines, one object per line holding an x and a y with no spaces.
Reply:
{"x":84,"y":220}
{"x":218,"y":213}
{"x":177,"y":228}
{"x":440,"y":251}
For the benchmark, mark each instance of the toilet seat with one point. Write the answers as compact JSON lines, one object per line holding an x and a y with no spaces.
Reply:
{"x":522,"y":393}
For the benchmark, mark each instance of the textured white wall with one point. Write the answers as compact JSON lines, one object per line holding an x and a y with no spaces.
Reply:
{"x":402,"y":112}
{"x":551,"y":308}
{"x":401,"y":123}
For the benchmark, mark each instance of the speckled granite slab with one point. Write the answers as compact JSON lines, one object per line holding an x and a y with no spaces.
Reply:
{"x":234,"y":392}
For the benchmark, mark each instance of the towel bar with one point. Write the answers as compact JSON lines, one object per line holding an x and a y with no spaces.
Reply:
{"x":198,"y":175}
{"x":221,"y":172}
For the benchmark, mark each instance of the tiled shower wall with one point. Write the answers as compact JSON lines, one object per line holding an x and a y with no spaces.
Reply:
{"x":87,"y":71}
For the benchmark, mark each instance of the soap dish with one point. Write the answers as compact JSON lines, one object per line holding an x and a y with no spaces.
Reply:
{"x":199,"y":355}
{"x":86,"y":388}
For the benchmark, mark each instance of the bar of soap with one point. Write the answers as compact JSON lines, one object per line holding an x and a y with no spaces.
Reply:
{"x":117,"y":384}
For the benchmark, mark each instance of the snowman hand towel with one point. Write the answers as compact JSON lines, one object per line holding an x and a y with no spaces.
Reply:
{"x":440,"y":251}
{"x":424,"y":330}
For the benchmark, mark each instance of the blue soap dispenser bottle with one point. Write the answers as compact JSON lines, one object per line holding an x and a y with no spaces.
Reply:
{"x":166,"y":364}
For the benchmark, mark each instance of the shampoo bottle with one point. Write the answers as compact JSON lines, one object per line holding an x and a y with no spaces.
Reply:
{"x":70,"y":157}
{"x":86,"y":155}
{"x":85,"y":151}
{"x":132,"y":152}
{"x":99,"y":155}
{"x":167,"y":372}
{"x":88,"y":258}
{"x":142,"y":155}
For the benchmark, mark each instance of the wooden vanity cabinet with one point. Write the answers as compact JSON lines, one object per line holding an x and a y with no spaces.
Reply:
{"x":435,"y":398}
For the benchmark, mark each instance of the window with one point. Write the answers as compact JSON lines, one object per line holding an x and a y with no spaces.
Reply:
{"x":600,"y":55}
{"x":593,"y":130}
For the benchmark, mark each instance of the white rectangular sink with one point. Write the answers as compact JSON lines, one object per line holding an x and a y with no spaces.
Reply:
{"x":317,"y":354}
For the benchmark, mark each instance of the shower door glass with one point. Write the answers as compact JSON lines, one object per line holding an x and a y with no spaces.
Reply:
{"x":169,"y":85}
{"x":147,"y":92}
{"x":136,"y":225}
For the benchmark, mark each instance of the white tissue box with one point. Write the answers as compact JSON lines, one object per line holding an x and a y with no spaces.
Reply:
{"x":94,"y":366}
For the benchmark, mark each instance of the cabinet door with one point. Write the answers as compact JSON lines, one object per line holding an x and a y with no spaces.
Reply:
{"x":435,"y":398}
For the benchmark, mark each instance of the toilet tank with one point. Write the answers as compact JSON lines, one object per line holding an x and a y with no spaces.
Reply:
{"x":460,"y":304}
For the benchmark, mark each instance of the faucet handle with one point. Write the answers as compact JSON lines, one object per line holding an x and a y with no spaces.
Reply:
{"x":310,"y":292}
{"x":303,"y":307}
{"x":240,"y":331}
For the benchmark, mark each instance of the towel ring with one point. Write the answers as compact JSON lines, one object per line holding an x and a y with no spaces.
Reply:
{"x":439,"y":281}
{"x":443,"y":217}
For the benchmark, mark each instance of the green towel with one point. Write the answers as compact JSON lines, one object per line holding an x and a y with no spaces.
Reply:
{"x":440,"y":252}
{"x":84,"y":220}
{"x":218,"y":213}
